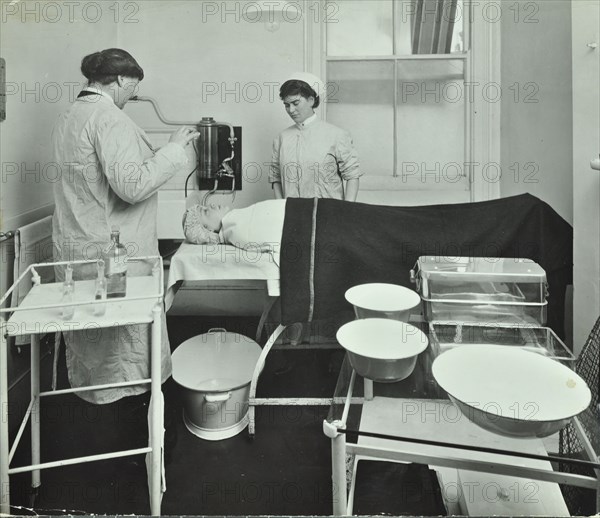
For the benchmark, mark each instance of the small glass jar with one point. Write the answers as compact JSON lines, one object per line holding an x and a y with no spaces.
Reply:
{"x":100,"y":291}
{"x":68,"y":289}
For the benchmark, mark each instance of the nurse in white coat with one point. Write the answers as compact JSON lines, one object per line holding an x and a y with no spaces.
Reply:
{"x":312,"y":158}
{"x":111,"y":175}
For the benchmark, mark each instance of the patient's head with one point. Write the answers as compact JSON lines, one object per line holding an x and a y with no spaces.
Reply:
{"x":201,"y":224}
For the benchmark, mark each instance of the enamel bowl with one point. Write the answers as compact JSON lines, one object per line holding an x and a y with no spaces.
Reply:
{"x":380,"y":300}
{"x":381,"y":349}
{"x":510,"y":391}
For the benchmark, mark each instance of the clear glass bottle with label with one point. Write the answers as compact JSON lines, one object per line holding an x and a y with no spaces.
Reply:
{"x":68,"y":289}
{"x":115,"y":266}
{"x":100,"y":291}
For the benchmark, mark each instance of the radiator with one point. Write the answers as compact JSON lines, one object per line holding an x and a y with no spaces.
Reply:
{"x":27,"y":245}
{"x":33,"y":244}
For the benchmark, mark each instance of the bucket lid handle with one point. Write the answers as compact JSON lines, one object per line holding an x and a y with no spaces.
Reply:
{"x":216,"y":398}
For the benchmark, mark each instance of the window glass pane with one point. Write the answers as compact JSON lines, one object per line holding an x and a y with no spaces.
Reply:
{"x":359,"y":28}
{"x":431,"y":123}
{"x":364,"y":27}
{"x":361,"y":101}
{"x":429,"y":26}
{"x":458,"y":30}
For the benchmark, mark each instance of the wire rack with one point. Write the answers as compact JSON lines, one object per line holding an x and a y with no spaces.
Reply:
{"x":581,"y":501}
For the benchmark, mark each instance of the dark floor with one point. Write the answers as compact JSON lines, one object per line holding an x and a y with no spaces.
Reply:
{"x":284,"y":470}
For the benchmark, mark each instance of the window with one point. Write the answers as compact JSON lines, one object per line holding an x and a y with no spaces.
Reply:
{"x":397,"y":72}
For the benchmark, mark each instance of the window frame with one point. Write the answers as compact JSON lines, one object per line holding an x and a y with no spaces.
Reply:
{"x":482,"y":118}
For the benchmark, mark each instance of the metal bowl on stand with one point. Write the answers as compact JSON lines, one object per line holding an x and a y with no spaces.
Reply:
{"x":380,"y":300}
{"x":381,"y":349}
{"x":511,"y":391}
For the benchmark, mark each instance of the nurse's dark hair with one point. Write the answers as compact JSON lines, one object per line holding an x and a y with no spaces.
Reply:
{"x":103,"y":67}
{"x":297,"y":87}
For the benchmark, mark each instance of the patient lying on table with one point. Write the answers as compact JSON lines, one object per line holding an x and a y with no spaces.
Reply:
{"x":338,"y":244}
{"x":258,"y":227}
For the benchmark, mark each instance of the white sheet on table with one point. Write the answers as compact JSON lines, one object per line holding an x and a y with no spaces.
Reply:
{"x":218,"y":262}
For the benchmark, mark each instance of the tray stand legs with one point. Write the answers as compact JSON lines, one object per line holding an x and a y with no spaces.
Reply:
{"x":257,"y":370}
{"x":4,"y":450}
{"x":157,"y":417}
{"x":35,"y":411}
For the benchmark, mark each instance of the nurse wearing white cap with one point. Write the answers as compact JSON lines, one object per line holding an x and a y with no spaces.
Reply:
{"x":312,"y":158}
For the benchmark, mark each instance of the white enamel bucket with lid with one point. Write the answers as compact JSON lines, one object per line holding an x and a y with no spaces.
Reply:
{"x":214,"y":370}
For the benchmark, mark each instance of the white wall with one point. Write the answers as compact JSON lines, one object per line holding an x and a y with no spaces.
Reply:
{"x":537,"y":117}
{"x":43,"y":50}
{"x":41,"y":59}
{"x":186,"y":48}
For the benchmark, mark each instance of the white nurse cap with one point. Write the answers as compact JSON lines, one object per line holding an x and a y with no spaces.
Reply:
{"x":311,"y":80}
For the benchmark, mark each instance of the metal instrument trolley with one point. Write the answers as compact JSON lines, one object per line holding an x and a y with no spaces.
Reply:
{"x":40,"y":313}
{"x":414,"y":421}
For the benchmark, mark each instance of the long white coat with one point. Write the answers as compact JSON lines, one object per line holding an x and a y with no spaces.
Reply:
{"x":110,"y":175}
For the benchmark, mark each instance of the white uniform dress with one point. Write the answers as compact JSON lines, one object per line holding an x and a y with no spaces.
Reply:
{"x":110,"y":176}
{"x":311,"y":160}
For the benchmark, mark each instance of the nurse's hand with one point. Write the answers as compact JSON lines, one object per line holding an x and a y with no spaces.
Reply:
{"x":183,"y":136}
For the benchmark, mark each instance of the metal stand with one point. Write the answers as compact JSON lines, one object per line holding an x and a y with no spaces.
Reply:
{"x":156,"y":413}
{"x":409,"y":448}
{"x":38,"y":310}
{"x":338,"y":467}
{"x":269,"y":303}
{"x":4,"y":480}
{"x":254,"y":401}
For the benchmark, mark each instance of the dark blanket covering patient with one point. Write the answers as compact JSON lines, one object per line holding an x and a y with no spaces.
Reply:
{"x":329,"y":246}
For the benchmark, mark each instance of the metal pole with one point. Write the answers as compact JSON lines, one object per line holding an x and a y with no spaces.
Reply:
{"x":368,"y":389}
{"x":79,"y":460}
{"x":597,"y":493}
{"x":157,"y":416}
{"x":269,"y":303}
{"x":257,"y":370}
{"x":338,"y":474}
{"x":35,"y":410}
{"x":4,"y":462}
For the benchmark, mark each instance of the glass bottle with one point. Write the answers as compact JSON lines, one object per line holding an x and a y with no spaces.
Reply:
{"x":115,"y":266}
{"x":68,"y":288}
{"x":100,"y":291}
